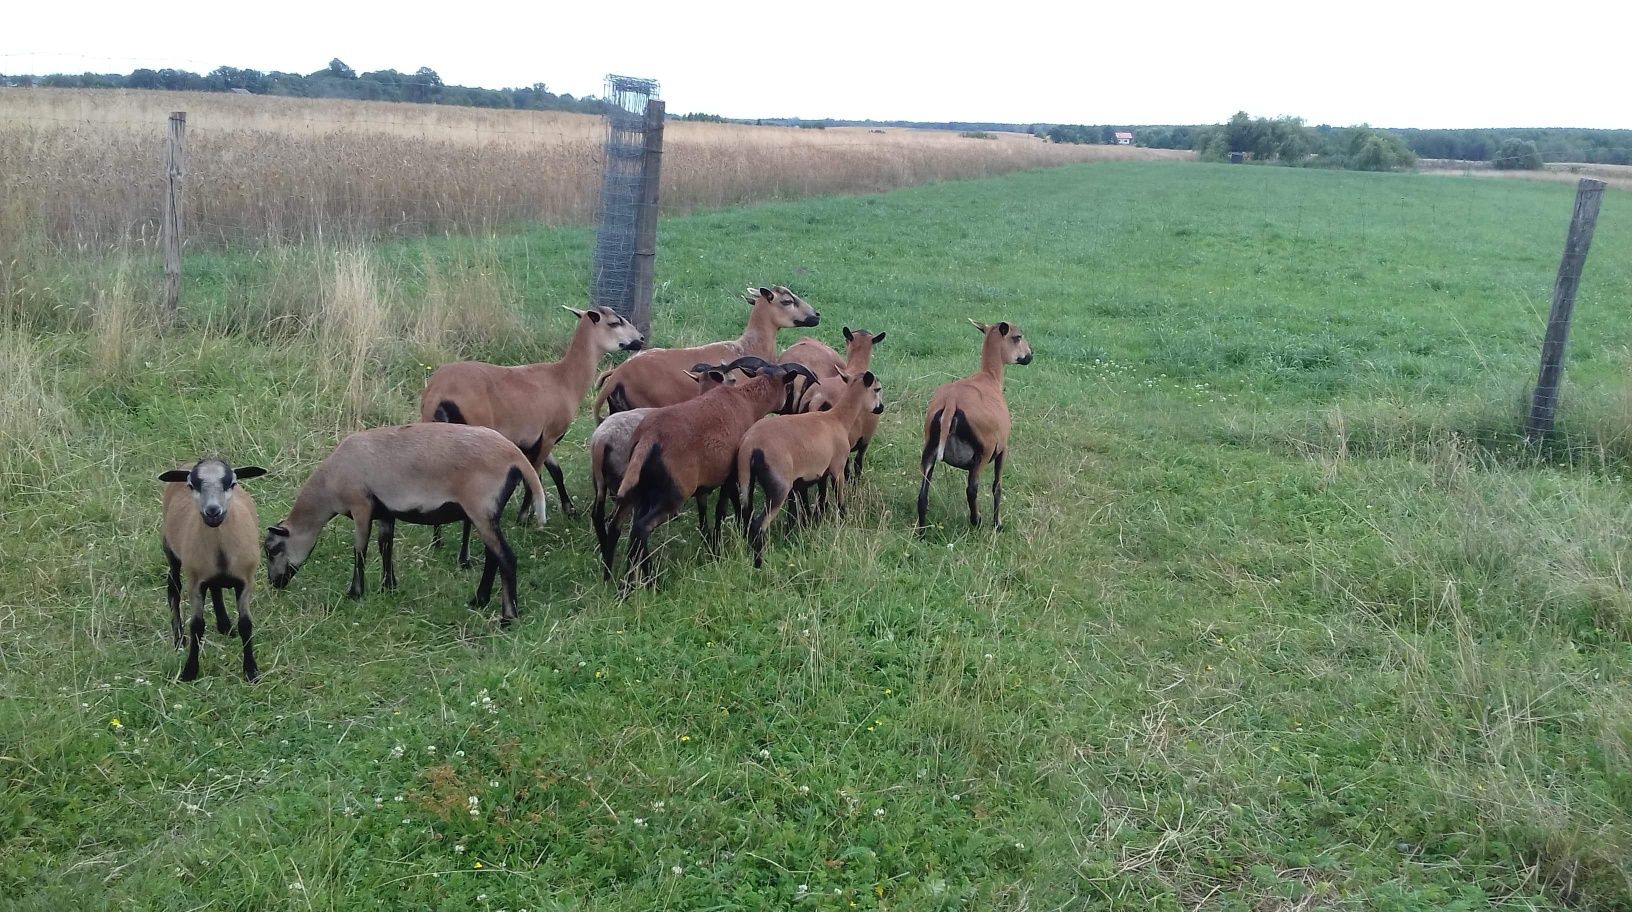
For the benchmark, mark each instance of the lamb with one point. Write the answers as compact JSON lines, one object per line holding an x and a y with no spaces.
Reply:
{"x":418,"y":473}
{"x":783,"y":451}
{"x":614,"y":438}
{"x":532,"y":405}
{"x":210,"y":533}
{"x":689,"y":449}
{"x":859,"y":351}
{"x":968,"y":421}
{"x":655,"y":378}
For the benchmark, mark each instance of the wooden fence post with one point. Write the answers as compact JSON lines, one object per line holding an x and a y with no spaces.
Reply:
{"x":1589,"y":194}
{"x":175,"y":165}
{"x":651,"y":167}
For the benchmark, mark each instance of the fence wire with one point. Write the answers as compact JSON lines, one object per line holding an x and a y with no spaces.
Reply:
{"x":613,"y":278}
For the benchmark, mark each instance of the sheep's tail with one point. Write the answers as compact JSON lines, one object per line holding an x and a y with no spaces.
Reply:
{"x":603,"y":392}
{"x":529,"y":477}
{"x":947,"y":415}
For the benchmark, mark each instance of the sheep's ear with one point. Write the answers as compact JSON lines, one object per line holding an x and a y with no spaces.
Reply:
{"x":718,"y":376}
{"x":847,"y":334}
{"x":878,"y":338}
{"x":279,"y":529}
{"x":1003,"y":328}
{"x":594,"y":316}
{"x":248,"y":472}
{"x":978,"y":325}
{"x":765,"y":293}
{"x":174,"y":475}
{"x":868,"y":380}
{"x":572,"y":310}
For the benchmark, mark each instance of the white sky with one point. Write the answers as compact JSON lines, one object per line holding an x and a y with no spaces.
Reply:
{"x":1401,"y":64}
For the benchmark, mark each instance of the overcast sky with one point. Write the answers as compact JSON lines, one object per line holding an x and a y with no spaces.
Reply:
{"x":1389,"y":63}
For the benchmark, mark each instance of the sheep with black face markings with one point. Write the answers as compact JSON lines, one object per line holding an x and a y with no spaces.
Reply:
{"x":210,"y":531}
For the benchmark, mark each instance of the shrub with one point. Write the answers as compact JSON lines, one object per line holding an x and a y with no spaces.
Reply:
{"x":1518,"y":155}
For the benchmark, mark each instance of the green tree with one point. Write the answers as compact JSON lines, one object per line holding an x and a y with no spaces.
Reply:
{"x":1518,"y":155}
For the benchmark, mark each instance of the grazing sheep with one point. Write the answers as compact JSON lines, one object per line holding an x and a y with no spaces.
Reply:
{"x":689,"y":449}
{"x":532,"y":405}
{"x":655,"y":378}
{"x":210,"y":533}
{"x":417,"y":473}
{"x":968,"y":421}
{"x":783,"y":451}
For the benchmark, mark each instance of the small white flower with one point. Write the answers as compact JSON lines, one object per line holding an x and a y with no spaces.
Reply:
{"x":957,"y":797}
{"x":803,"y":889}
{"x":459,"y":849}
{"x":804,"y":789}
{"x":458,"y":753}
{"x":657,"y":806}
{"x":475,"y":806}
{"x":677,"y":870}
{"x":297,"y":887}
{"x":764,"y":754}
{"x":640,"y":821}
{"x":878,"y":812}
{"x":397,"y":752}
{"x":481,"y":897}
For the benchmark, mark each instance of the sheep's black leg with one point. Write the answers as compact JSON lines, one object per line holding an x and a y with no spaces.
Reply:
{"x":464,"y":545}
{"x":702,"y":519}
{"x":554,"y":469}
{"x":436,"y":536}
{"x":246,"y":632}
{"x":172,"y":591}
{"x":927,"y":465}
{"x":388,"y":540}
{"x":728,"y":491}
{"x":821,"y":502}
{"x":189,"y":671}
{"x":776,"y":496}
{"x":973,"y":490}
{"x":997,"y":490}
{"x":500,"y":562}
{"x":223,"y":624}
{"x":363,"y":525}
{"x":860,"y":453}
{"x":640,"y":534}
{"x":609,"y":544}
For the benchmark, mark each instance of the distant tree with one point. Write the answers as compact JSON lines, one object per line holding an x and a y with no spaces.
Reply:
{"x":1518,"y":155}
{"x":143,"y":79}
{"x":339,"y":70}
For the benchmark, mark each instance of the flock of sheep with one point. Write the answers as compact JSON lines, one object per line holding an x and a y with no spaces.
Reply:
{"x":684,"y":423}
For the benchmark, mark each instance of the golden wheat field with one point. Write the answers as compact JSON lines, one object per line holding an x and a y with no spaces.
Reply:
{"x":81,"y":167}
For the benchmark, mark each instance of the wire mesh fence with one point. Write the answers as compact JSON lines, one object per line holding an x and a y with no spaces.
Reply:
{"x":621,"y":182}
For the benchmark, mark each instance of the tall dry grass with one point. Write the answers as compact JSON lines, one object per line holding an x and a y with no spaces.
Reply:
{"x":84,"y":165}
{"x":35,"y":420}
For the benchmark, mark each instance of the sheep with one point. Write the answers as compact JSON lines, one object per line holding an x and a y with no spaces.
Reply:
{"x":968,"y":422}
{"x":532,"y":405}
{"x":654,"y":378}
{"x":859,"y":357}
{"x":614,"y":437}
{"x":825,"y":362}
{"x":808,"y":448}
{"x":418,"y":473}
{"x":689,"y":449}
{"x":210,"y":533}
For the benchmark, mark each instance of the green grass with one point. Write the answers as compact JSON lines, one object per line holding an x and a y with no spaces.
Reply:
{"x":1284,"y":615}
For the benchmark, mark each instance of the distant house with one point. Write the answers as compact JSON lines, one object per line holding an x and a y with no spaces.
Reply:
{"x":1124,"y":139}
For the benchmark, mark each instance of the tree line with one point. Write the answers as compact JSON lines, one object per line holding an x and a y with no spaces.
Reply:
{"x":337,"y":80}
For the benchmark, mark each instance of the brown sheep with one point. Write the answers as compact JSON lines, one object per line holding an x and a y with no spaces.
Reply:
{"x":614,"y":438}
{"x":859,"y":357}
{"x":532,"y":405}
{"x":656,"y":378}
{"x":689,"y":449}
{"x":783,"y":451}
{"x":968,"y":421}
{"x":418,"y":473}
{"x":210,"y":532}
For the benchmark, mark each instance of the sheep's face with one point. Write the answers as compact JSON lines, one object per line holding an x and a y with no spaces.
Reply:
{"x":212,"y":484}
{"x":1011,"y":343}
{"x":786,"y":308}
{"x":611,"y":331}
{"x":281,"y":562}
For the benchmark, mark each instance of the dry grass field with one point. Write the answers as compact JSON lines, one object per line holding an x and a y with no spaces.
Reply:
{"x":81,"y":167}
{"x":1555,"y":172}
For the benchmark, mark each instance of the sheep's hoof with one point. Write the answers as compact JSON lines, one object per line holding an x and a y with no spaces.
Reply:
{"x":252,"y":674}
{"x":189,"y":674}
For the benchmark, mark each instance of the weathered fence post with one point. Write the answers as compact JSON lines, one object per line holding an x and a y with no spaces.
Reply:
{"x":175,"y":164}
{"x":1589,"y":193}
{"x":651,"y":168}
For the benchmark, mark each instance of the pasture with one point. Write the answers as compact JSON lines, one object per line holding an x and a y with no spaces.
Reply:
{"x":1283,"y":617}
